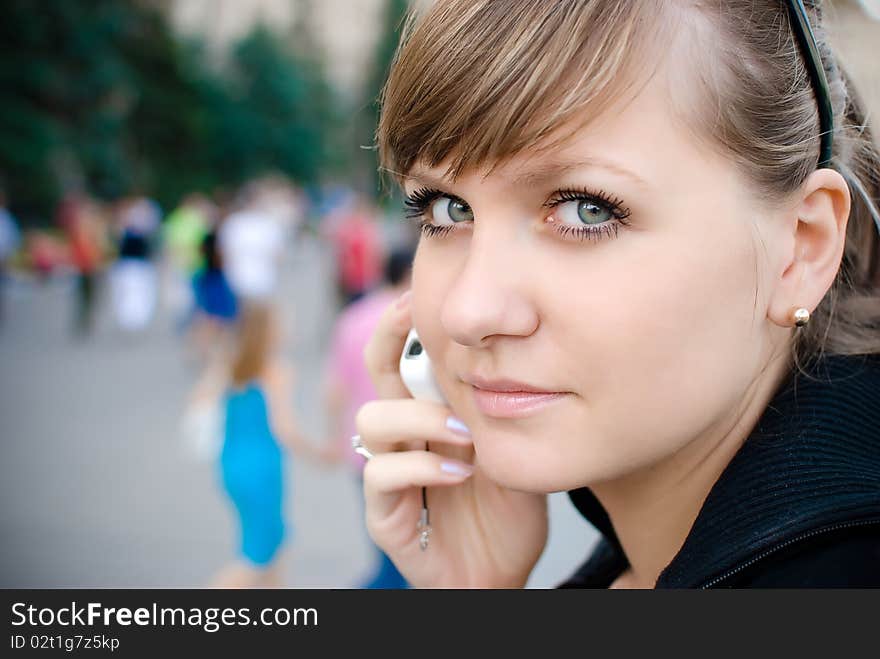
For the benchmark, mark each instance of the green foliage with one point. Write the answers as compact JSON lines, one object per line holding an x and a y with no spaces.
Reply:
{"x":61,"y":91}
{"x":279,"y":110}
{"x":102,"y":95}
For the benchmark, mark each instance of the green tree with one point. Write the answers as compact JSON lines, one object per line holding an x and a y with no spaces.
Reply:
{"x":65,"y":94}
{"x":103,"y":95}
{"x":280,"y":118}
{"x":170,"y":128}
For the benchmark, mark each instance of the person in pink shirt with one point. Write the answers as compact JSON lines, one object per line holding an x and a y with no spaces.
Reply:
{"x":348,"y":385}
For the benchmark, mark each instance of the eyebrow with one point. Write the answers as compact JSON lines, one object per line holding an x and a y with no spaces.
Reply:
{"x":553,"y":170}
{"x":425,"y":179}
{"x":542,"y":173}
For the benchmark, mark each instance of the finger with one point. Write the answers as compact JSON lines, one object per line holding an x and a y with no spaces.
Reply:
{"x":382,"y":352}
{"x":384,"y":424}
{"x":387,"y":475}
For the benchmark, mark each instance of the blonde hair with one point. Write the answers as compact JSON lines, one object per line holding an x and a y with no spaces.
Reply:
{"x":475,"y":82}
{"x":252,"y":344}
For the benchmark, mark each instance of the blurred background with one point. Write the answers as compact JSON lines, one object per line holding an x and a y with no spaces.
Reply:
{"x":178,"y":177}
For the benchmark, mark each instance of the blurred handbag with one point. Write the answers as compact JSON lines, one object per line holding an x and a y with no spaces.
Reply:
{"x":201,"y":431}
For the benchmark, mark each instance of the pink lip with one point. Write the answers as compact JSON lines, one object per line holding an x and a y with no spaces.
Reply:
{"x":510,"y":405}
{"x":510,"y":399}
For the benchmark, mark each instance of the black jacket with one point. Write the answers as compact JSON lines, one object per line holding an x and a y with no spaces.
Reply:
{"x":799,"y":504}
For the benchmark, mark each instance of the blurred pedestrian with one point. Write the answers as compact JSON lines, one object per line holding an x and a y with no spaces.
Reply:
{"x":255,"y":387}
{"x":252,"y":243}
{"x":133,"y":278}
{"x":10,"y":240}
{"x":78,"y":219}
{"x":182,"y":234}
{"x":348,"y":385}
{"x":216,"y":305}
{"x":358,"y":250}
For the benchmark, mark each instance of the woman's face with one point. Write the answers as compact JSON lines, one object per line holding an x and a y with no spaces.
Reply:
{"x":627,"y":270}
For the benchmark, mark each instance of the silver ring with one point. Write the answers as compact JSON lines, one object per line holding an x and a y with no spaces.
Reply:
{"x":359,"y":447}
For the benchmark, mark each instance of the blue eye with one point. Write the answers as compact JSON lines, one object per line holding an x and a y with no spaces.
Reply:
{"x":583,"y":211}
{"x":446,"y":209}
{"x":583,"y":214}
{"x":436,"y":211}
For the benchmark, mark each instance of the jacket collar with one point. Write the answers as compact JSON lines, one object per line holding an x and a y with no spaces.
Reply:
{"x":811,"y":463}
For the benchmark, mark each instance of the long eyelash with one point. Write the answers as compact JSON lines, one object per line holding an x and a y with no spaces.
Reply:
{"x":613,"y":204}
{"x":434,"y":230}
{"x":589,"y":233}
{"x":417,"y":202}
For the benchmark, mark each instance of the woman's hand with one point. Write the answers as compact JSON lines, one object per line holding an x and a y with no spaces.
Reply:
{"x":483,"y":535}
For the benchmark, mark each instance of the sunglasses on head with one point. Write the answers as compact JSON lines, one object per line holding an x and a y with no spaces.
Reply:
{"x":807,"y":41}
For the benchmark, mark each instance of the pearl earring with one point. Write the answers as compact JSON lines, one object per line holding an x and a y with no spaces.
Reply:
{"x":801,"y":317}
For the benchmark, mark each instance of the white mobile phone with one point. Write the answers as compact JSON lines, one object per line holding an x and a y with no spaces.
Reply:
{"x":418,"y":376}
{"x":416,"y":371}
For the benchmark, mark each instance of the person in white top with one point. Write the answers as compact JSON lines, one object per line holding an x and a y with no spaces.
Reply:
{"x":251,"y":242}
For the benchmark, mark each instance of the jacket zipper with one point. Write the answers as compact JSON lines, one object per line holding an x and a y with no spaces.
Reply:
{"x":764,"y":554}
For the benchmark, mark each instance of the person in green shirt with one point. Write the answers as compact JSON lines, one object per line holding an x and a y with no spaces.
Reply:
{"x":182,"y":234}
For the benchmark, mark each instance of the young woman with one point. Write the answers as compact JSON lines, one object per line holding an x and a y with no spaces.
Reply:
{"x":648,"y":276}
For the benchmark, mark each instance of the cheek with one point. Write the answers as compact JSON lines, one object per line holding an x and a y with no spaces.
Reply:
{"x":433,"y":274}
{"x":671,"y":339}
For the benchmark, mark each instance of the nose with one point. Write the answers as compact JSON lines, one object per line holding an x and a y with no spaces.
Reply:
{"x":489,"y":296}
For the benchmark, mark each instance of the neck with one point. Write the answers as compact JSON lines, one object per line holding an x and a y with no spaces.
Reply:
{"x":652,"y":510}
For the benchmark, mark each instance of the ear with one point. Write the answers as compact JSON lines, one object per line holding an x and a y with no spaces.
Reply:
{"x":816,"y":228}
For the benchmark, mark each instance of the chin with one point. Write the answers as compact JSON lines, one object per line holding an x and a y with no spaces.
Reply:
{"x":506,"y":463}
{"x":542,"y":464}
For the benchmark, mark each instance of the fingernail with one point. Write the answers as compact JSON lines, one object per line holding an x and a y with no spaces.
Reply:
{"x":457,"y":426}
{"x":403,"y":299}
{"x":456,"y":468}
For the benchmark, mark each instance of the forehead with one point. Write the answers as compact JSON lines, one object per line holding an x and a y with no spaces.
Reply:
{"x":640,"y":140}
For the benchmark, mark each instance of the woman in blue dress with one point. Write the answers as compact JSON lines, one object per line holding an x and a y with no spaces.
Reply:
{"x":259,"y":426}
